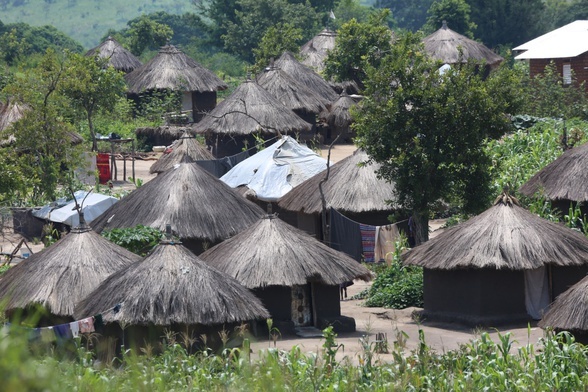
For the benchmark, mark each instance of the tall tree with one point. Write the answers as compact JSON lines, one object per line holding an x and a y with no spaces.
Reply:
{"x":358,"y":46}
{"x":277,"y":39}
{"x":427,"y":130}
{"x":455,"y":12}
{"x":146,"y":33}
{"x":407,"y":14}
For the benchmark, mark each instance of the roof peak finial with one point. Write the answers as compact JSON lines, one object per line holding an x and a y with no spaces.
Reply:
{"x":444,"y":27}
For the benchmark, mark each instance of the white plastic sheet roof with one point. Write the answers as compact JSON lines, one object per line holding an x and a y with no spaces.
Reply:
{"x":94,"y":205}
{"x":568,"y":41}
{"x":276,"y":170}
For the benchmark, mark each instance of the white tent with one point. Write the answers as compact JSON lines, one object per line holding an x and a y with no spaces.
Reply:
{"x":93,"y":206}
{"x":274,"y":171}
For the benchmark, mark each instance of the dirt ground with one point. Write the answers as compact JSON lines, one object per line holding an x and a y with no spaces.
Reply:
{"x":369,"y":321}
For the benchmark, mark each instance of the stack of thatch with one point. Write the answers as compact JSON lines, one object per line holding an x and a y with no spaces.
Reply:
{"x":172,"y":286}
{"x":184,"y":150}
{"x":201,"y":207}
{"x":248,"y":110}
{"x":172,"y":69}
{"x":352,"y":187}
{"x":118,"y":57}
{"x":61,"y":275}
{"x":450,"y":47}
{"x":566,"y":178}
{"x":306,"y":76}
{"x":315,"y":51}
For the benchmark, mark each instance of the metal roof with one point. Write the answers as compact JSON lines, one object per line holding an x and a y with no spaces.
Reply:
{"x":568,"y":41}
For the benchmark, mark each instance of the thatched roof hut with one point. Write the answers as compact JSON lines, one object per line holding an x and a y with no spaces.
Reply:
{"x":565,"y":179}
{"x":306,"y":76}
{"x":505,"y":255}
{"x":201,"y":207}
{"x":338,"y":118}
{"x":59,"y":276}
{"x":289,"y":258}
{"x":446,"y":46}
{"x":118,"y":57}
{"x":315,"y":51}
{"x":184,"y":150}
{"x":292,"y":94}
{"x":172,"y":286}
{"x":248,"y":110}
{"x":163,"y":135}
{"x":172,"y":69}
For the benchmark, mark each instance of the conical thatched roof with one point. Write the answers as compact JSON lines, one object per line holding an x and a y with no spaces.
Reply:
{"x":11,"y":112}
{"x":250,"y":109}
{"x":338,"y":115}
{"x":172,"y":286}
{"x":352,"y":187}
{"x":505,"y":236}
{"x":315,"y":51}
{"x":184,"y":150}
{"x":569,"y":311}
{"x":444,"y":45}
{"x":306,"y":76}
{"x":64,"y":273}
{"x":288,"y":257}
{"x":199,"y":205}
{"x":172,"y":69}
{"x":566,"y":178}
{"x":118,"y":57}
{"x":292,"y":94}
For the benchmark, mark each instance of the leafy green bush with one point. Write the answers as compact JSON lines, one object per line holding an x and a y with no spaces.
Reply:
{"x":139,"y":239}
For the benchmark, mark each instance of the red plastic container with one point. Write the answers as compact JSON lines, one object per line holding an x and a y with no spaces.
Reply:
{"x":103,"y":165}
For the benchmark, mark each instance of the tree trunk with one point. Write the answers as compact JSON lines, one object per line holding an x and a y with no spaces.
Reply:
{"x":420,"y":227}
{"x":92,"y":134}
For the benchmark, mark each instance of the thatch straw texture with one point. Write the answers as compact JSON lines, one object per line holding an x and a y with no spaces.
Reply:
{"x":569,"y":311}
{"x":198,"y":205}
{"x":173,"y":70}
{"x":64,"y":273}
{"x":288,"y":257}
{"x":566,"y":178}
{"x":306,"y":76}
{"x":445,"y":44}
{"x":118,"y":57}
{"x":186,"y":149}
{"x":505,"y":236}
{"x":352,"y":187}
{"x":172,"y":286}
{"x":250,"y":109}
{"x":338,"y":117}
{"x":315,"y":51}
{"x":293,"y":95}
{"x":348,"y":87}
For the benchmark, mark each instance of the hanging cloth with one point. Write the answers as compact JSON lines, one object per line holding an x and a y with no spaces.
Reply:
{"x":345,"y":235}
{"x":386,"y":237}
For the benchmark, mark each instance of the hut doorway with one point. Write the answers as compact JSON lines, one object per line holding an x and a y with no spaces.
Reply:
{"x":537,"y":295}
{"x":301,"y":306}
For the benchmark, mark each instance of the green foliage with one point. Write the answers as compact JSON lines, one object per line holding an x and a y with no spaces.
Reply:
{"x":359,"y":46}
{"x":139,"y":239}
{"x":455,"y":12}
{"x":347,"y":10}
{"x":276,"y":40}
{"x":145,"y":33}
{"x":408,"y":14}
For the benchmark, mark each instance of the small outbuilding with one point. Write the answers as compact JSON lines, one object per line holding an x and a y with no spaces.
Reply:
{"x":118,"y":57}
{"x":170,"y":289}
{"x":503,"y":266}
{"x":171,"y":69}
{"x":203,"y":209}
{"x":184,"y":150}
{"x":296,"y":276}
{"x":338,"y":118}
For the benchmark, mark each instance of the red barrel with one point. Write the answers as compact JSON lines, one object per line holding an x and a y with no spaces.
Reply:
{"x":103,"y":165}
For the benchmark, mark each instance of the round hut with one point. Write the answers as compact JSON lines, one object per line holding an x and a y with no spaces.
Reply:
{"x":353,"y":189}
{"x":338,"y":118}
{"x":60,"y":276}
{"x":450,"y":48}
{"x":249,"y":110}
{"x":171,"y":69}
{"x":306,"y":76}
{"x":275,"y":170}
{"x":184,"y":150}
{"x":296,"y":276}
{"x":118,"y":57}
{"x":503,"y":266}
{"x":569,"y":312}
{"x":292,"y":94}
{"x":204,"y":210}
{"x":171,"y":288}
{"x":315,"y":51}
{"x":563,"y":181}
